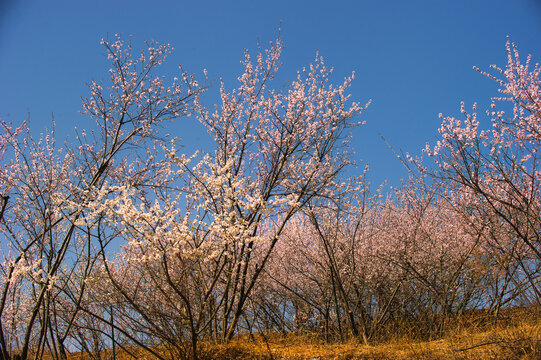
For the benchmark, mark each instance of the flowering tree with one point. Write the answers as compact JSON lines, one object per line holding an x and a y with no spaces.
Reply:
{"x":435,"y":254}
{"x":50,"y":222}
{"x":281,"y":149}
{"x":498,"y":169}
{"x":274,"y":152}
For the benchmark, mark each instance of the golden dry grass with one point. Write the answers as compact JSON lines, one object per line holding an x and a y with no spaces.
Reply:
{"x":517,"y":338}
{"x":510,"y":342}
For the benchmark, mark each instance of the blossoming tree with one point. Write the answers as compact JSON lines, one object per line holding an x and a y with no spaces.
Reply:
{"x":49,"y":224}
{"x":275,"y":150}
{"x":498,"y":170}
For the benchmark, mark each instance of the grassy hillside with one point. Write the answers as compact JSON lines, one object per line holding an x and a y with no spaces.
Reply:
{"x":521,"y":341}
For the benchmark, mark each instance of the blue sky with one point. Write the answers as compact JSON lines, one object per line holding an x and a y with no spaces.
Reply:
{"x":413,"y":58}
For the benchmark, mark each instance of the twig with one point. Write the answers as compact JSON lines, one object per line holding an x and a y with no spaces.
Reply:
{"x":489,"y":343}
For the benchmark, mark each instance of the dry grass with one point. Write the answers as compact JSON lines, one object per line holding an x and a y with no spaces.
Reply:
{"x":517,"y":337}
{"x":515,"y":341}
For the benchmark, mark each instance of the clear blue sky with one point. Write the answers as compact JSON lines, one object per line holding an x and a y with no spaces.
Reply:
{"x":412,"y":58}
